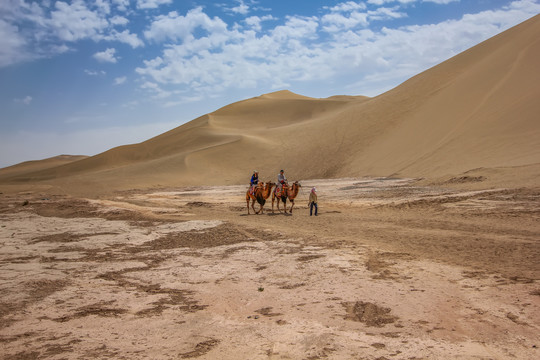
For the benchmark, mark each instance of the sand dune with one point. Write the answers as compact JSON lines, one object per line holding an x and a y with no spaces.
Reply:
{"x":36,"y":165}
{"x":477,"y":112}
{"x":478,"y":109}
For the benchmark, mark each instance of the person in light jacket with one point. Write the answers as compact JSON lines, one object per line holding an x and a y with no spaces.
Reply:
{"x":281,"y":179}
{"x":313,"y":201}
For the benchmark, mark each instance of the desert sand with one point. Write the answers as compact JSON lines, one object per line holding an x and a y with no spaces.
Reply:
{"x":390,"y":269}
{"x":427,"y":244}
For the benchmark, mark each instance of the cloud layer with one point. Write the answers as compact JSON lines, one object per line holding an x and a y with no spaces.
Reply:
{"x":207,"y":56}
{"x":203,"y":55}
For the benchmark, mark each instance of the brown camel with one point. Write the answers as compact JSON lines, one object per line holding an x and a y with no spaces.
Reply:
{"x":287,"y":192}
{"x":261,"y":193}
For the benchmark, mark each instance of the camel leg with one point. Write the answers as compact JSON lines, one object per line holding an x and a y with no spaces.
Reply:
{"x":247,"y":201}
{"x":292,"y":205}
{"x":261,"y":204}
{"x":273,"y":198}
{"x":253,"y":205}
{"x":285,"y":206}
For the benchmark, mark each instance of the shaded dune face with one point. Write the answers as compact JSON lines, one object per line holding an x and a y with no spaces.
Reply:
{"x":476,"y":110}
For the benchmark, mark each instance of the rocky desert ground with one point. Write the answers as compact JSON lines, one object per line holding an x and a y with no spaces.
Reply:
{"x":390,"y":269}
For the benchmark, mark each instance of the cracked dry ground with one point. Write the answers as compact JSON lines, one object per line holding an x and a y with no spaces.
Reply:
{"x":170,"y":276}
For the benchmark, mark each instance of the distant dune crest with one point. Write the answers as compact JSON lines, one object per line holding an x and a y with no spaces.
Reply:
{"x":284,"y":94}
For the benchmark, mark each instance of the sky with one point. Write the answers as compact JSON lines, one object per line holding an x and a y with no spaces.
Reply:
{"x":81,"y":77}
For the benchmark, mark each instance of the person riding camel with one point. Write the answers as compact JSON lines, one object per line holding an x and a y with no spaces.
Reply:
{"x":254,"y":181}
{"x":281,"y":179}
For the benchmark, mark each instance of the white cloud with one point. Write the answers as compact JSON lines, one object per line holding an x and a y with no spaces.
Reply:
{"x":347,"y":6}
{"x":106,"y":56}
{"x":255,"y":21}
{"x":103,"y":6}
{"x":120,"y":80}
{"x":59,"y":49}
{"x":14,"y":9}
{"x":442,"y":2}
{"x":121,"y":5}
{"x":176,"y":27}
{"x":382,"y":2}
{"x":384,"y":13}
{"x":94,"y":72}
{"x":119,"y":20}
{"x":241,"y":9}
{"x":151,"y":4}
{"x":527,"y":6}
{"x":12,"y":44}
{"x":125,"y":37}
{"x":156,"y":90}
{"x":296,"y":27}
{"x":344,"y":17}
{"x":183,"y":100}
{"x":26,"y":100}
{"x":72,"y":22}
{"x":337,"y":22}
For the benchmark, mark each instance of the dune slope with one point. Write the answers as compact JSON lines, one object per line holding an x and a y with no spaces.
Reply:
{"x":36,"y":165}
{"x":478,"y":110}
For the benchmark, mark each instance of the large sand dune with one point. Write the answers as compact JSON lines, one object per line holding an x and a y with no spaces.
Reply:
{"x":477,"y":112}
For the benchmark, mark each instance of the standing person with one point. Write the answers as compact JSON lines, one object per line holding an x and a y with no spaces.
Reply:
{"x":254,"y":181}
{"x":313,"y":201}
{"x":281,"y":179}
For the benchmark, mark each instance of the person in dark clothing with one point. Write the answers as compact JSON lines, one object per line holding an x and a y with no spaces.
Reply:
{"x":313,"y":201}
{"x":254,"y":181}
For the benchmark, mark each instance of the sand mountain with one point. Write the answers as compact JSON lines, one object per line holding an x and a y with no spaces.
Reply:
{"x":478,"y":112}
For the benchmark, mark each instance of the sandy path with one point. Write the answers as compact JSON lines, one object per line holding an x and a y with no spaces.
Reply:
{"x":389,"y":270}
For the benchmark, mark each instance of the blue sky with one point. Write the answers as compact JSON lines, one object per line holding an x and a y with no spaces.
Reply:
{"x":81,"y":77}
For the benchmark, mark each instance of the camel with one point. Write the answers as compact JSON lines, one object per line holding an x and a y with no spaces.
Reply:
{"x":261,"y":193}
{"x":287,"y":192}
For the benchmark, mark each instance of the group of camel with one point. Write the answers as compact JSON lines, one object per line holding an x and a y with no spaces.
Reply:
{"x":263,"y":191}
